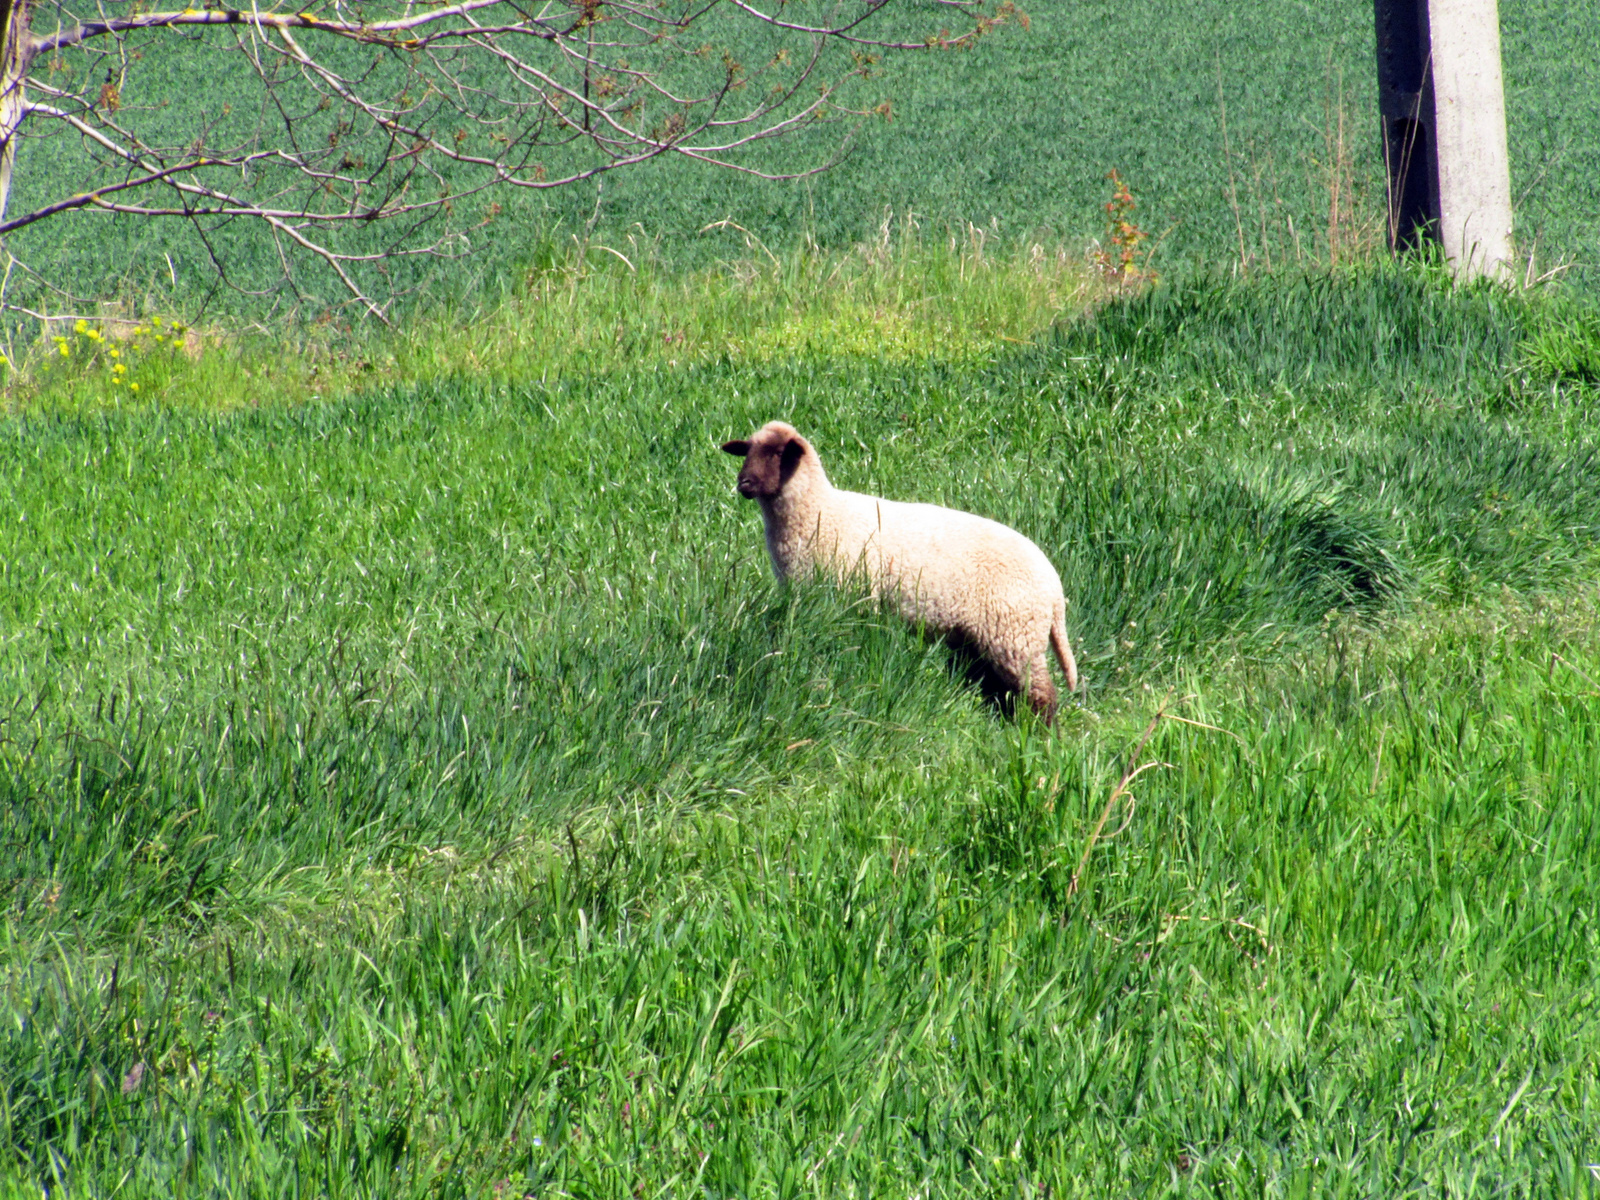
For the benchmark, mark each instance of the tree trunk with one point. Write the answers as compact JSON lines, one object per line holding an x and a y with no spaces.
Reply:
{"x":16,"y":55}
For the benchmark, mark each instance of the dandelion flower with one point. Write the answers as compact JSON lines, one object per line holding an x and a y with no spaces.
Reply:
{"x":133,"y":387}
{"x":81,"y":326}
{"x":115,"y":353}
{"x":65,"y":353}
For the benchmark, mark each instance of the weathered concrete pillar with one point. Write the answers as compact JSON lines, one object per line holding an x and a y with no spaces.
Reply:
{"x":1442,"y":103}
{"x":1469,"y":107}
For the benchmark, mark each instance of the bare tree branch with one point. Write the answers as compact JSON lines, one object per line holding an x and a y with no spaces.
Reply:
{"x":358,"y":133}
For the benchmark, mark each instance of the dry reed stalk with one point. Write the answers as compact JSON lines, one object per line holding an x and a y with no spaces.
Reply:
{"x":1128,"y":776}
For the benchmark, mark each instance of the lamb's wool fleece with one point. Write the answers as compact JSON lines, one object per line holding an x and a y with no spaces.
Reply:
{"x":958,"y":575}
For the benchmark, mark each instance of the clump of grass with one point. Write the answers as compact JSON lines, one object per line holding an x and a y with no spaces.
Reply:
{"x":586,"y":307}
{"x":1566,"y":347}
{"x":900,"y":296}
{"x":1389,"y":325}
{"x":1351,"y":228}
{"x":107,"y":362}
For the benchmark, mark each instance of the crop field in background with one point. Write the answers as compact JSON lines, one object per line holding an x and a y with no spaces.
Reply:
{"x":1015,"y":136}
{"x":428,"y":792}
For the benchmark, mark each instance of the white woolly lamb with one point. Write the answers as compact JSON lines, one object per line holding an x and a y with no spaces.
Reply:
{"x":965,"y":578}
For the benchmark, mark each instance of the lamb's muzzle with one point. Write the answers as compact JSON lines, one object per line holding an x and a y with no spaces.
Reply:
{"x":959,"y":576}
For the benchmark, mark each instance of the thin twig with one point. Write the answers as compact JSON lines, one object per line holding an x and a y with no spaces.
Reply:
{"x":1227,"y":153}
{"x":1128,"y":776}
{"x":1377,"y":762}
{"x":1203,"y":725}
{"x":1589,"y":679}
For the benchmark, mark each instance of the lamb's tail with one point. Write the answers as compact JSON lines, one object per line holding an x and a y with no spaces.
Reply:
{"x":1058,"y":640}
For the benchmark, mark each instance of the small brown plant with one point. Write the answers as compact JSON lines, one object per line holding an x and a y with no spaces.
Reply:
{"x":1117,"y":257}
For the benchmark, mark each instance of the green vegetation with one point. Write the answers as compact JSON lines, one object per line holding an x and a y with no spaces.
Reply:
{"x":412,"y":781}
{"x":428,"y":791}
{"x":1020,"y":131}
{"x":897,"y":296}
{"x":1567,"y":346}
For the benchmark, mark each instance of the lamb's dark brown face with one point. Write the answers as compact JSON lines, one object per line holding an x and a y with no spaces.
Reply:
{"x":770,"y":459}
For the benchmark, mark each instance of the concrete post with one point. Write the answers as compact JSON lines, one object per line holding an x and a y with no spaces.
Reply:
{"x":1442,"y":103}
{"x":1470,"y":117}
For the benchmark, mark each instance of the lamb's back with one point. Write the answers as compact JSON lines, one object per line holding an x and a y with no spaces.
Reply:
{"x":944,"y":566}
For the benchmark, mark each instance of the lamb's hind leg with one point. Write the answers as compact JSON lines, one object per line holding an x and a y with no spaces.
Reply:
{"x":1041,"y":688}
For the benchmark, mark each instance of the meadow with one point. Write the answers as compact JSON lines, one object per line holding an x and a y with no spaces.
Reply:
{"x":413,"y":782}
{"x":427,"y":791}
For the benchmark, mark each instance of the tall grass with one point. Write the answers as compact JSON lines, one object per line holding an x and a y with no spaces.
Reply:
{"x":429,"y":792}
{"x":586,"y":306}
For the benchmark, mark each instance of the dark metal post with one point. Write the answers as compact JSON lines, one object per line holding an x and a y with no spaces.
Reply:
{"x":1410,"y":131}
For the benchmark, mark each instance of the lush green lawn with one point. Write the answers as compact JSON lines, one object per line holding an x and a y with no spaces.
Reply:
{"x":431,"y":793}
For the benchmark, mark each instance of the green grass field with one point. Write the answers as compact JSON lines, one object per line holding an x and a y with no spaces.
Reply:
{"x":413,"y":783}
{"x":1015,"y":136}
{"x":429,"y":792}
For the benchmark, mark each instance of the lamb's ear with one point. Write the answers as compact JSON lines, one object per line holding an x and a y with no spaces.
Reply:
{"x":738,"y":448}
{"x":793,"y":451}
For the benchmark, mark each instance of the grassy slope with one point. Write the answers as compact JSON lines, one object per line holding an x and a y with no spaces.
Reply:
{"x":433,"y":791}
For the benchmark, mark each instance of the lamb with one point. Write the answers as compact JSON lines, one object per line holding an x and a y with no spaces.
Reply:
{"x":974,"y":582}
